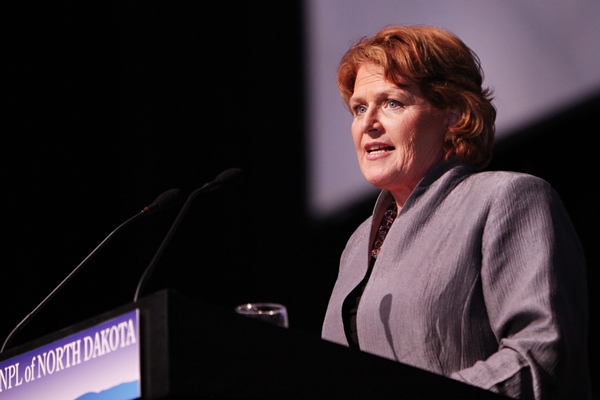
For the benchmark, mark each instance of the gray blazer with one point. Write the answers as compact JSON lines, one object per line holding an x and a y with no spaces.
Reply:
{"x":481,"y":278}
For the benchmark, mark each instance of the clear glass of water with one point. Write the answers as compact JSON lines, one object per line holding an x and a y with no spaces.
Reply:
{"x":269,"y":312}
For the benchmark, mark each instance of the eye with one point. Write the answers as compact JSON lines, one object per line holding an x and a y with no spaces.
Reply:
{"x":360,"y":109}
{"x":393,"y":103}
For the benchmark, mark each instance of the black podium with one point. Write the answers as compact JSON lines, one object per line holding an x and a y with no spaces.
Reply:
{"x":192,"y":350}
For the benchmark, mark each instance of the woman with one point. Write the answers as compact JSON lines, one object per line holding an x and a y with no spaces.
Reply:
{"x":478,"y":276}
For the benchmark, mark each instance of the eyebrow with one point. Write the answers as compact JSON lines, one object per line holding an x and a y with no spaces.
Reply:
{"x":403,"y":87}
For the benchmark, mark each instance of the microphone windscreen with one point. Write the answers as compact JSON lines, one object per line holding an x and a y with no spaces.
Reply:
{"x":230,"y":176}
{"x":167,"y":198}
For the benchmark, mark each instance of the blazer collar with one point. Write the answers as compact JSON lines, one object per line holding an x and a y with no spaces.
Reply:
{"x":433,"y":188}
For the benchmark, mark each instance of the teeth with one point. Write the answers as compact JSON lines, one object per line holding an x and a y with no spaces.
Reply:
{"x":378,"y":149}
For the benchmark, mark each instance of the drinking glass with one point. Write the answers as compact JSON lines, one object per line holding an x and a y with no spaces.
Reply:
{"x":269,"y":312}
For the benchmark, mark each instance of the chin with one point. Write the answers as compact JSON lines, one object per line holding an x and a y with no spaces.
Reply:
{"x":381,"y":182}
{"x":384,"y":177}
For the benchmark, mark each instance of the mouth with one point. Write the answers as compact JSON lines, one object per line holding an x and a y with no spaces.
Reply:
{"x":378,"y":148}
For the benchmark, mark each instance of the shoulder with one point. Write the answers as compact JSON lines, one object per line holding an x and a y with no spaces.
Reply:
{"x":502,"y":180}
{"x":521,"y":200}
{"x":507,"y":198}
{"x":510,"y":186}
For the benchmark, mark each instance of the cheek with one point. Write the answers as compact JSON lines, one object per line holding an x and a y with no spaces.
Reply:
{"x":405,"y":133}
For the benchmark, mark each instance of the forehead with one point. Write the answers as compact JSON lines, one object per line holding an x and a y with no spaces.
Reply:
{"x":371,"y":76}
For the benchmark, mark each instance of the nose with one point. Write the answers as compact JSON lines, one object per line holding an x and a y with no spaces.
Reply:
{"x":371,"y":124}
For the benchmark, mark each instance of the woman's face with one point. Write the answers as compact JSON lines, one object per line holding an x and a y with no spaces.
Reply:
{"x":398,"y":134}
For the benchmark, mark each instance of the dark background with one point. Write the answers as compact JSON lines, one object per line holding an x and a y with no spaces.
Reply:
{"x":112,"y":104}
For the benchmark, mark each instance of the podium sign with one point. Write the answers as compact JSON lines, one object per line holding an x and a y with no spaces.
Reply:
{"x":100,"y":362}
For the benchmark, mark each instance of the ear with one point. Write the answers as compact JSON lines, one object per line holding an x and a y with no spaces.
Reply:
{"x":453,"y":115}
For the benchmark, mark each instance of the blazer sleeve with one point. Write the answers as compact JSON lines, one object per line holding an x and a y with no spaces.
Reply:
{"x":534,"y":289}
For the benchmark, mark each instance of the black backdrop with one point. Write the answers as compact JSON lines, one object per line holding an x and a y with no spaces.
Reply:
{"x":112,"y":104}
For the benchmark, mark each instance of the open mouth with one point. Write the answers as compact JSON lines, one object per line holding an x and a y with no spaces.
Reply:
{"x":379,"y":148}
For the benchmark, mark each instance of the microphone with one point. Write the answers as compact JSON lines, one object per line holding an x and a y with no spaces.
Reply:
{"x":161,"y":202}
{"x":228,"y":177}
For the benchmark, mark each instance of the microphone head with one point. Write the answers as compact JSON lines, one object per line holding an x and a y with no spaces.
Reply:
{"x":228,"y":177}
{"x":167,"y":198}
{"x":163,"y":201}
